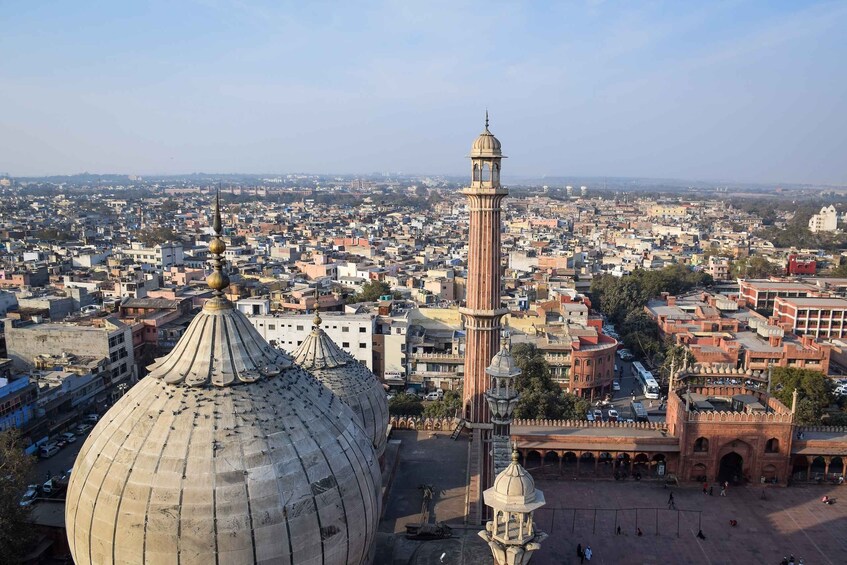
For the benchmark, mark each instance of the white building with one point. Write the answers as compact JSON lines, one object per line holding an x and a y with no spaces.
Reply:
{"x":353,"y":332}
{"x":162,"y":256}
{"x":825,"y":220}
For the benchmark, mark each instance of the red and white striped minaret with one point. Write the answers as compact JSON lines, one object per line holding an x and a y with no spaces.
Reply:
{"x":483,"y":311}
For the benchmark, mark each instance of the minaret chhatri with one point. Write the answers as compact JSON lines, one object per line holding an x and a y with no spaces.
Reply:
{"x":483,"y":312}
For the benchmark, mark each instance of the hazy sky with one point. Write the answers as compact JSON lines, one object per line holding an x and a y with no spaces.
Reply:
{"x":745,"y":91}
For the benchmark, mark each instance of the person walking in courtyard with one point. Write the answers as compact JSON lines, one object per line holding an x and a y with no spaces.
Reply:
{"x":579,"y":552}
{"x":723,"y":489}
{"x":588,"y":553}
{"x":711,"y":490}
{"x":671,"y":504}
{"x":705,"y":488}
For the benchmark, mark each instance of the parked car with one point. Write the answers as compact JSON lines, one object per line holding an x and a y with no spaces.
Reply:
{"x":68,"y":437}
{"x":625,"y":354}
{"x":29,"y":496}
{"x":589,"y":416}
{"x":598,"y":414}
{"x":83,"y":428}
{"x":613,"y":415}
{"x":91,"y":418}
{"x":435,"y":395}
{"x":616,"y":385}
{"x":48,"y":450}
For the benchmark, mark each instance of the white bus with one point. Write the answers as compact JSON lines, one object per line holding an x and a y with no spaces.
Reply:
{"x":645,"y":378}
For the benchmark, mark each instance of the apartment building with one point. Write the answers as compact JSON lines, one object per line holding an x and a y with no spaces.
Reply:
{"x":160,"y":257}
{"x":354,"y":333}
{"x":761,"y":294}
{"x":819,"y":317}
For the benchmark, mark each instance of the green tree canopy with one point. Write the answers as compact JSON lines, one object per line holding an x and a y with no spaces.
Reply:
{"x":15,"y":469}
{"x":405,"y":405}
{"x":447,"y":407}
{"x":371,"y":291}
{"x":540,"y":396}
{"x":814,"y":392}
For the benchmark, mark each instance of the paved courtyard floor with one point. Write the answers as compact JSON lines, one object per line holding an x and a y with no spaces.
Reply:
{"x":786,"y":521}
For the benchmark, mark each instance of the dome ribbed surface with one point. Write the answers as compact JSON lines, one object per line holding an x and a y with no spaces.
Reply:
{"x":486,"y":145}
{"x":503,"y":364}
{"x":514,"y":490}
{"x":352,"y":381}
{"x":225,"y":454}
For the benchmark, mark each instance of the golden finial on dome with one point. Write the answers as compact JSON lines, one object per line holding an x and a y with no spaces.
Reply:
{"x":514,"y":452}
{"x":486,"y":119}
{"x":317,"y":320}
{"x":217,"y":280}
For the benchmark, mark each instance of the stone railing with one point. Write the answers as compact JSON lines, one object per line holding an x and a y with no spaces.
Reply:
{"x":827,"y":429}
{"x":740,"y":417}
{"x":586,"y":424}
{"x":448,"y":357}
{"x":422,"y":423}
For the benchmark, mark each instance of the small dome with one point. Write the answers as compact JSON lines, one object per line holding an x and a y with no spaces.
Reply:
{"x":503,"y":364}
{"x":514,"y":489}
{"x":350,"y":380}
{"x":486,"y":145}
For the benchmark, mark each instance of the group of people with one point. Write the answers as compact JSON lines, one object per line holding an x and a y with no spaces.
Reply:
{"x":790,"y":561}
{"x":707,"y":489}
{"x":583,"y":554}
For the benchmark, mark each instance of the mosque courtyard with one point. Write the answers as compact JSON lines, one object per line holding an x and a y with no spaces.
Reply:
{"x":770,"y":526}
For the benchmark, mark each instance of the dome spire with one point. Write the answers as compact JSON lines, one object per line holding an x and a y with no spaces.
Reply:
{"x":486,"y":119}
{"x":218,"y":280}
{"x":317,"y":320}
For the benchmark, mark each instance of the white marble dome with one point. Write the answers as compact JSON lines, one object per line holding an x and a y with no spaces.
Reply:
{"x":349,"y":379}
{"x":227,"y":453}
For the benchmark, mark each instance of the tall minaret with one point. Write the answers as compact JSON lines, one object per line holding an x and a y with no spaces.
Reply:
{"x":482,"y":313}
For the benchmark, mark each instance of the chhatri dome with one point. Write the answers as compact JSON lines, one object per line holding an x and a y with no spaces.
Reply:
{"x":226,"y":453}
{"x":486,"y":145}
{"x":349,"y":379}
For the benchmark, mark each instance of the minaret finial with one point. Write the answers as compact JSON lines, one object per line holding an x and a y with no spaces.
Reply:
{"x":316,"y":322}
{"x":486,"y":119}
{"x":216,"y":222}
{"x":514,"y":452}
{"x":218,"y":280}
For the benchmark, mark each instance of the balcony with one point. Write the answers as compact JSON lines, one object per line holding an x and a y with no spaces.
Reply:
{"x":441,"y":357}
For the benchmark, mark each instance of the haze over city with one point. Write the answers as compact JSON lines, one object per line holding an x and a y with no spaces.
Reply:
{"x":734,"y":91}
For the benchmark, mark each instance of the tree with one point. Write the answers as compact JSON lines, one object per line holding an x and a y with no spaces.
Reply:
{"x":405,"y":405}
{"x":540,"y":396}
{"x":755,"y":267}
{"x":371,"y":291}
{"x":447,"y":407}
{"x":15,"y":469}
{"x":814,"y":392}
{"x":156,"y":236}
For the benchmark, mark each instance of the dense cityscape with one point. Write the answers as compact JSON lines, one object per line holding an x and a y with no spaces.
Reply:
{"x":463,"y":283}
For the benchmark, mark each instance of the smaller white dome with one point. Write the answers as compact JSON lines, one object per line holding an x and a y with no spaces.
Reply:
{"x":514,"y":490}
{"x":503,"y":364}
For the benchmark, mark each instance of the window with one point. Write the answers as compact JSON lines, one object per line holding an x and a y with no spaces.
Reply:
{"x":299,"y":328}
{"x":363,"y":329}
{"x":271,"y":327}
{"x":363,"y":345}
{"x":701,"y":445}
{"x":345,"y":329}
{"x":345,"y":344}
{"x":772,"y":446}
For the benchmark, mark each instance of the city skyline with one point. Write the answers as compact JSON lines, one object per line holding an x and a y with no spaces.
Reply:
{"x":744,"y":92}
